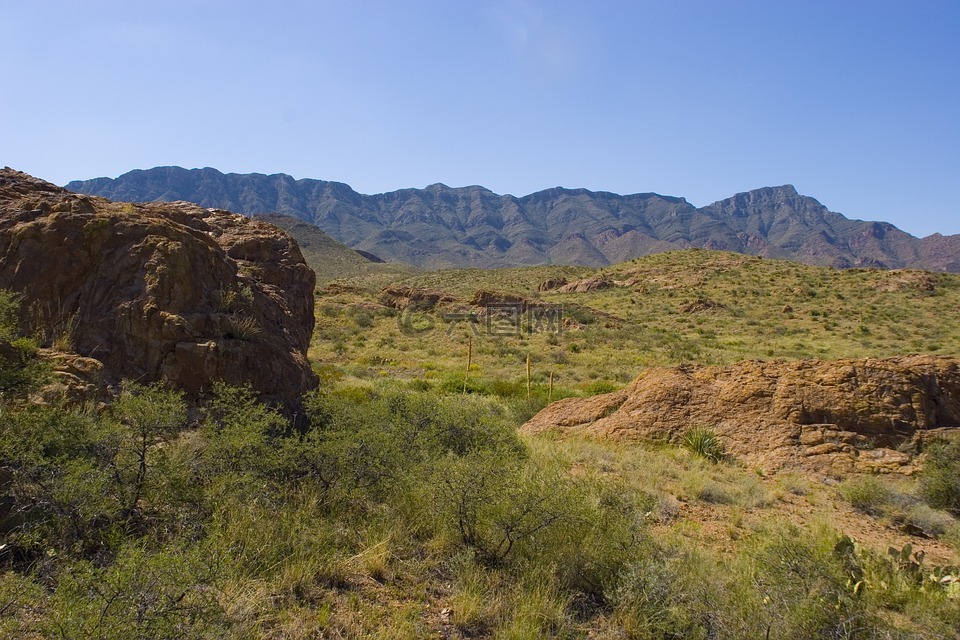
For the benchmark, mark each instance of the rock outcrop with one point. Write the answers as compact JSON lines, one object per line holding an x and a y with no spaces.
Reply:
{"x":551,"y":283}
{"x":157,"y":292}
{"x":594,"y":283}
{"x":845,"y":414}
{"x":486,"y":298}
{"x":402,"y":297}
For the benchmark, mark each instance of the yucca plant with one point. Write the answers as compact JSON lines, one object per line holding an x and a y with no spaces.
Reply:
{"x":242,"y":328}
{"x":704,"y":443}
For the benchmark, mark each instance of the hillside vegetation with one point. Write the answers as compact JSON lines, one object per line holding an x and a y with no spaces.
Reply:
{"x":690,"y":306}
{"x":409,"y":506}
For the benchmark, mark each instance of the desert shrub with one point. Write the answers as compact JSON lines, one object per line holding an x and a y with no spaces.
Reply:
{"x":419,"y":384}
{"x":361,"y":317}
{"x":376,"y":441}
{"x":516,"y":388}
{"x":169,"y":593}
{"x":578,"y":314}
{"x":61,"y":488}
{"x":579,"y":534}
{"x":78,"y":477}
{"x":601,"y":386}
{"x":477,"y":497}
{"x":604,"y":531}
{"x":715,"y":493}
{"x":21,"y":371}
{"x":348,"y":451}
{"x":670,"y":593}
{"x":522,"y":409}
{"x":459,"y":382}
{"x":932,"y":522}
{"x":704,"y":443}
{"x":940,"y":477}
{"x":809,"y":585}
{"x":9,"y":314}
{"x":147,"y":417}
{"x":867,"y":493}
{"x":22,"y":603}
{"x":240,"y":434}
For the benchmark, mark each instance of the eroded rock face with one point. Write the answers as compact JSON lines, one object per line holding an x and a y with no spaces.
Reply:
{"x":486,"y":298}
{"x":845,"y":414}
{"x":594,"y":283}
{"x":160,"y":291}
{"x":551,"y":284}
{"x":402,"y":297}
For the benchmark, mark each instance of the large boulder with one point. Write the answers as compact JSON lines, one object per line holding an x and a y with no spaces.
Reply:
{"x":846,"y":414}
{"x":159,"y":291}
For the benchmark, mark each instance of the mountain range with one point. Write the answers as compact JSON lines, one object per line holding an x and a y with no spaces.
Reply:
{"x":442,"y":226}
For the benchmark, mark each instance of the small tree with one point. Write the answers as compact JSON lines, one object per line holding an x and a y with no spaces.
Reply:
{"x":149,"y":416}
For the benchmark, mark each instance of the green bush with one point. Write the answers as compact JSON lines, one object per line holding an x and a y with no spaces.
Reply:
{"x":149,"y":417}
{"x":21,"y":371}
{"x":601,"y":386}
{"x":940,"y":477}
{"x":240,"y":433}
{"x":61,"y":488}
{"x":932,"y":522}
{"x":9,"y":314}
{"x":78,"y":478}
{"x":169,"y":593}
{"x":809,"y":586}
{"x":867,"y":493}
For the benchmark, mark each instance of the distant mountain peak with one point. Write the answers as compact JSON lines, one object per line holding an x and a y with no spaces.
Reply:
{"x":443,"y":226}
{"x":786,"y":188}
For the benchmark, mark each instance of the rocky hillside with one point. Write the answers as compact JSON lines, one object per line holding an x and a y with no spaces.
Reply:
{"x":169,"y":292}
{"x":845,"y":414}
{"x":473,"y":227}
{"x":328,"y":258}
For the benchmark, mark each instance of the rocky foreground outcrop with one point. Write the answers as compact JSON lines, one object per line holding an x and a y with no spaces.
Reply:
{"x":848,"y":415}
{"x":155,"y":292}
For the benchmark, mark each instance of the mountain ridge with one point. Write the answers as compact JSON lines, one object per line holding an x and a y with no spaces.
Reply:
{"x":472,"y":226}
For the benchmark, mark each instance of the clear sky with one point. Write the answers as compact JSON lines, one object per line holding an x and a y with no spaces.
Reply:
{"x":855,"y":103}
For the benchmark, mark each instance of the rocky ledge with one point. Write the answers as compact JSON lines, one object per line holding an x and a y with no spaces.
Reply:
{"x":845,"y":415}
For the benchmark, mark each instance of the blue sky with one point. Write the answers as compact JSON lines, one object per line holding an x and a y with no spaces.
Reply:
{"x":855,"y":103}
